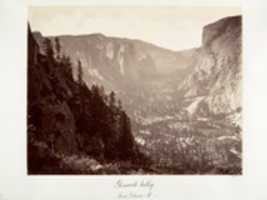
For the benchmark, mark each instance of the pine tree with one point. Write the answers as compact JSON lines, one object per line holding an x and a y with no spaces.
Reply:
{"x":80,"y":73}
{"x":58,"y":48}
{"x":48,"y":48}
{"x":80,"y":82}
{"x":51,"y":65}
{"x":127,"y":140}
{"x":112,"y":100}
{"x":102,"y":91}
{"x":67,"y":67}
{"x":120,"y":105}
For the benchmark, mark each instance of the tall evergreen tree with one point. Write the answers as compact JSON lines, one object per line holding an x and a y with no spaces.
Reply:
{"x":80,"y":82}
{"x":58,"y":47}
{"x":102,"y":91}
{"x":112,"y":100}
{"x":120,"y":105}
{"x":127,"y":140}
{"x":80,"y":73}
{"x":48,"y":48}
{"x":67,"y":67}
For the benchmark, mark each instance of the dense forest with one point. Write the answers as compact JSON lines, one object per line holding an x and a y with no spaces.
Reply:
{"x":66,"y":119}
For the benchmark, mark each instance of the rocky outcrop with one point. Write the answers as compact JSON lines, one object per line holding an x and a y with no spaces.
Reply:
{"x":216,"y":76}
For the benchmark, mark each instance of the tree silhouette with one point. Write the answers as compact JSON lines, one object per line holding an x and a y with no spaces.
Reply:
{"x":120,"y":105}
{"x":80,"y":82}
{"x":58,"y":47}
{"x":80,"y":73}
{"x":48,"y":48}
{"x":112,"y":100}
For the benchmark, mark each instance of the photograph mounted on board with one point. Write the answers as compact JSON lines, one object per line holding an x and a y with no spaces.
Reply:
{"x":134,"y":90}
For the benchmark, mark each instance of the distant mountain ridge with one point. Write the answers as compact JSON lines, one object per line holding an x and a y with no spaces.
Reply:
{"x":114,"y":61}
{"x":211,"y":74}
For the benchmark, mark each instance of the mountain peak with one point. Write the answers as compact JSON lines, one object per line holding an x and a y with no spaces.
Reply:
{"x":215,"y":29}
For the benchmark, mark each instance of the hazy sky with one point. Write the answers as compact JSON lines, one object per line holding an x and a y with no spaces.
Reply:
{"x":170,"y":27}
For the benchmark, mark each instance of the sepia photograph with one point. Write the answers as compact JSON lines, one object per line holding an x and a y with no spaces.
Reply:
{"x":134,"y":90}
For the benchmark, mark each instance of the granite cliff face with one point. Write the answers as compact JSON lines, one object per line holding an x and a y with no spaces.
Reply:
{"x":117,"y":62}
{"x":214,"y":86}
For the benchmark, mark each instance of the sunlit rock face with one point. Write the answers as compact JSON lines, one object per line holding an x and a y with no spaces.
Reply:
{"x":116,"y":62}
{"x":217,"y":69}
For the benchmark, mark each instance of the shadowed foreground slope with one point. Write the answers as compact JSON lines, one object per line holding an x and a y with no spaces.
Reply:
{"x":69,"y":123}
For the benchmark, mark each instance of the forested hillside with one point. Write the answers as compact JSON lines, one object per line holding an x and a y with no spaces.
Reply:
{"x":69,"y":122}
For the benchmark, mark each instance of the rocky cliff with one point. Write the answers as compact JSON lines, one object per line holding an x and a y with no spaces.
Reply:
{"x":117,"y":62}
{"x":214,"y":86}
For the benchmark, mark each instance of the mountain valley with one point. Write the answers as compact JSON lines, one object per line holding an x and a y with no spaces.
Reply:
{"x":184,"y":106}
